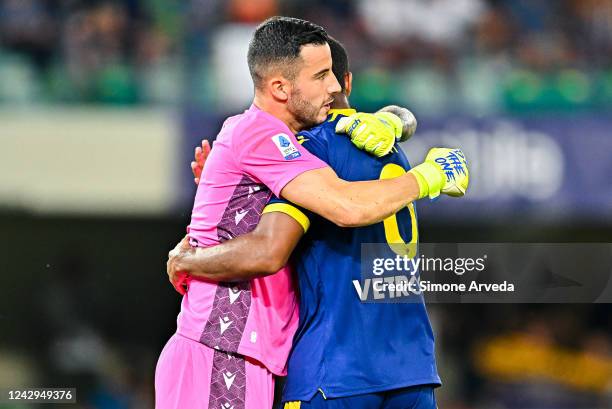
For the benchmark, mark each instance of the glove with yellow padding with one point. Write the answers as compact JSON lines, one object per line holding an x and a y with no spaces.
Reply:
{"x":443,"y":171}
{"x":373,"y":133}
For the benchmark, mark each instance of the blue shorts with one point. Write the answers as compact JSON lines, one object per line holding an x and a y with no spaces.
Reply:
{"x":414,"y":397}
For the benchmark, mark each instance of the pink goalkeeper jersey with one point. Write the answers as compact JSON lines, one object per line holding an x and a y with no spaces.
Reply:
{"x":254,"y":155}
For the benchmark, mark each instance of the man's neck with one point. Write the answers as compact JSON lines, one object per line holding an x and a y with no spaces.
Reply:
{"x":277,"y":110}
{"x":340,"y":102}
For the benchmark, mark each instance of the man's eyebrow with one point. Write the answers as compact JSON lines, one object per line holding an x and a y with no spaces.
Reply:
{"x":323,"y":71}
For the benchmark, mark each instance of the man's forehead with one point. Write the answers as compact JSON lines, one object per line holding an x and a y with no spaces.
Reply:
{"x":315,"y":56}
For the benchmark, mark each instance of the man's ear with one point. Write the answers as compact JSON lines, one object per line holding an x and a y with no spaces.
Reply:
{"x":348,"y":83}
{"x":280,"y":88}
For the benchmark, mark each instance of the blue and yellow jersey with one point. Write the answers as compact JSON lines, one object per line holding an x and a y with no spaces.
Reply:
{"x":344,"y":346}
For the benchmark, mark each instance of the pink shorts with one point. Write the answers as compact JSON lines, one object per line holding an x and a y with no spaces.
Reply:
{"x":190,"y":375}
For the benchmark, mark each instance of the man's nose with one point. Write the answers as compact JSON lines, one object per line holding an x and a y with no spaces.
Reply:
{"x":334,"y":85}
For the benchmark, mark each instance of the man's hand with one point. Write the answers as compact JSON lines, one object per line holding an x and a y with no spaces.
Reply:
{"x":374,"y":133}
{"x":407,"y":118}
{"x":200,"y":156}
{"x":177,"y":274}
{"x":444,"y":171}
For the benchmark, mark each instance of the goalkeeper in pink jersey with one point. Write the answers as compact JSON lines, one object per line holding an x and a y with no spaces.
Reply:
{"x":233,"y":337}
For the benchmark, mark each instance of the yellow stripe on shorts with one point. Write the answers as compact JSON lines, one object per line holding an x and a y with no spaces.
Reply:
{"x":293,"y":405}
{"x":290,"y":210}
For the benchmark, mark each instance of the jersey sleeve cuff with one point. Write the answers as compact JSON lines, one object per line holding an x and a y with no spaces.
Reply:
{"x":289,"y":210}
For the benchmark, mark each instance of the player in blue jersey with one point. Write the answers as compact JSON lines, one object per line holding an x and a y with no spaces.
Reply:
{"x":346,"y":354}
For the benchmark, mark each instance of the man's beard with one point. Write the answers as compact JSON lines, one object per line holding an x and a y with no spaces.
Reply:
{"x":304,"y":112}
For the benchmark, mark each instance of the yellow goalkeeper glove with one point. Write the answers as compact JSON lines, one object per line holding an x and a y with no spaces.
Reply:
{"x":444,"y":171}
{"x":373,"y":133}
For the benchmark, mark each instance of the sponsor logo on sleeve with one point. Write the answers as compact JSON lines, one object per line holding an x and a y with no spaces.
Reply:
{"x":286,"y":146}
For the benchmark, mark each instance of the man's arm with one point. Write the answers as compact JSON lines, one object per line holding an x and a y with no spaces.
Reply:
{"x":347,"y":204}
{"x":350,"y":204}
{"x":259,"y":253}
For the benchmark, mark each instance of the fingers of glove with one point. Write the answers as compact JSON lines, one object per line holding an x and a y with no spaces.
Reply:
{"x":379,"y":146}
{"x":359,"y":143}
{"x":382,"y":149}
{"x":453,"y":165}
{"x":391,"y":121}
{"x":360,"y":136}
{"x":386,"y":138}
{"x":367,"y":132}
{"x":457,"y":188}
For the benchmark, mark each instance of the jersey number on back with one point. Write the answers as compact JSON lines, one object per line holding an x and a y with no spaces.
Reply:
{"x":392,"y":233}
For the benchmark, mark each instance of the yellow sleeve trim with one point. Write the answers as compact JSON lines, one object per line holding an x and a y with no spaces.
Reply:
{"x":289,"y":210}
{"x":293,"y":405}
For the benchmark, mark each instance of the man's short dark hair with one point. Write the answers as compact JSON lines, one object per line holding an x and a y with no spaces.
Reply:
{"x":340,"y":63}
{"x":276,"y":44}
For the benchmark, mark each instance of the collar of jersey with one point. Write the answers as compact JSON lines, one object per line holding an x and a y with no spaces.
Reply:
{"x":335,"y":112}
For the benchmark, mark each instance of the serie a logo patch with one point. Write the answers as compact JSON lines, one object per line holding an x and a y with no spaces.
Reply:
{"x":286,"y":146}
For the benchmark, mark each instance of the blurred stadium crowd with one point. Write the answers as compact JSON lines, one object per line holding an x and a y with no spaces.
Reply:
{"x":438,"y":57}
{"x":526,"y":356}
{"x":78,"y":51}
